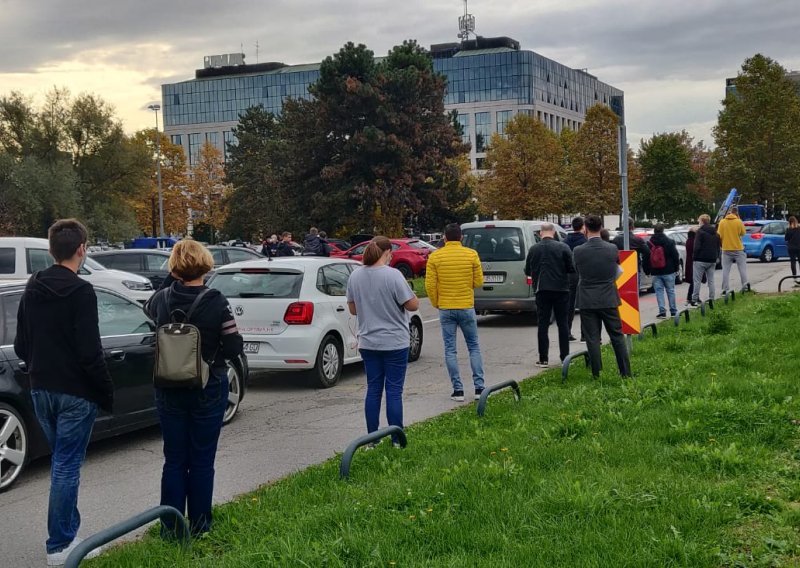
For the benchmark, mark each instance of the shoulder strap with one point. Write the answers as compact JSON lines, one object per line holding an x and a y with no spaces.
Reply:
{"x":196,"y":303}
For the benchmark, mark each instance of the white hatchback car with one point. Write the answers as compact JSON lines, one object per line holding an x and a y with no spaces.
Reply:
{"x":292,"y":313}
{"x":22,"y":256}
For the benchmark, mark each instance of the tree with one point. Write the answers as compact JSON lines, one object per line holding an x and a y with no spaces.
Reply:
{"x":595,"y":162}
{"x":758,"y":136}
{"x":668,"y":188}
{"x":208,"y":190}
{"x":524,"y":167}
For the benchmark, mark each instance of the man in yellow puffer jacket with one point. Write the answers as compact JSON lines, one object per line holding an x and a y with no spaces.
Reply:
{"x":452,"y":274}
{"x":731,"y":230}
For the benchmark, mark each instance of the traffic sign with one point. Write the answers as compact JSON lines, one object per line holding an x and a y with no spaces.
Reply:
{"x":628,"y":286}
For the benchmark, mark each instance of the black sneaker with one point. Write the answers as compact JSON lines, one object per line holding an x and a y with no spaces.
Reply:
{"x":542,"y":364}
{"x":478,"y":393}
{"x":694,"y":304}
{"x":661,"y":316}
{"x":458,"y":396}
{"x":573,"y":338}
{"x":582,"y":339}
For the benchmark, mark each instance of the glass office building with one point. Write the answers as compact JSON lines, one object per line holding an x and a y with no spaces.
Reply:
{"x":489,"y":81}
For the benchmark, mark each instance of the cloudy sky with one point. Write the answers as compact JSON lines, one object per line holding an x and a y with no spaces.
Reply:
{"x":670,"y":57}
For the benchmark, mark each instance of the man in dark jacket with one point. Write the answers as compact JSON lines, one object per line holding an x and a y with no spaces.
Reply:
{"x":706,"y":252}
{"x":664,"y":264}
{"x":574,"y":239}
{"x":285,"y":246}
{"x":597,"y":263}
{"x":58,"y":338}
{"x":637,"y":244}
{"x":313,"y":244}
{"x":549,"y":264}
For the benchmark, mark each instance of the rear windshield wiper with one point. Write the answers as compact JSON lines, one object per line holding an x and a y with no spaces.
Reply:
{"x":254,"y":295}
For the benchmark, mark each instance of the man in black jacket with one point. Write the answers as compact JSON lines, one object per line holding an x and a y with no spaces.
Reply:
{"x":549,"y":263}
{"x":637,"y":244}
{"x":58,"y":338}
{"x":574,"y":239}
{"x":664,"y":264}
{"x":285,"y":246}
{"x":704,"y":260}
{"x":313,"y":244}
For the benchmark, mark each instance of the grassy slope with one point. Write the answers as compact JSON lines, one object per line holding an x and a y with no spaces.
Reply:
{"x":691,"y":464}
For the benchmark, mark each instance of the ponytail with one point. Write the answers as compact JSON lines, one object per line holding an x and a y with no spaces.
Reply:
{"x":375,"y":250}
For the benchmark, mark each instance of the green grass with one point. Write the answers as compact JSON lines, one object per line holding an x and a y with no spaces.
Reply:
{"x":418,"y":284}
{"x":692,"y":463}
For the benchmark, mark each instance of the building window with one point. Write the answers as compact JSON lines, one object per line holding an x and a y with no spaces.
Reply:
{"x":482,"y":131}
{"x":176,"y":139}
{"x":503,"y":116}
{"x":480,"y":163}
{"x":194,"y":148}
{"x":230,"y":140}
{"x":463,"y":121}
{"x":176,"y":99}
{"x":213,"y":138}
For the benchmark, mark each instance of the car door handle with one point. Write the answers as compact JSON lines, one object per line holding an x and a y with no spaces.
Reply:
{"x":117,"y":355}
{"x":340,"y":309}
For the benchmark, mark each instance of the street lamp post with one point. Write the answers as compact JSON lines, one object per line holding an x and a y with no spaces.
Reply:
{"x":155,"y":108}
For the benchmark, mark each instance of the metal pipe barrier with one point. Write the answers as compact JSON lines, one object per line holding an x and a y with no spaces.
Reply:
{"x":128,"y":525}
{"x":785,"y":278}
{"x":731,"y":294}
{"x":651,"y":326}
{"x":568,"y":360}
{"x":494,"y":388}
{"x":684,"y":312}
{"x":347,"y":457}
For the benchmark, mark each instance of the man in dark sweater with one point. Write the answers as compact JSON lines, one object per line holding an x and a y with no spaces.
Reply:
{"x":664,"y":264}
{"x":58,"y":338}
{"x":706,"y":251}
{"x":575,"y":239}
{"x":285,"y":246}
{"x":548,"y":264}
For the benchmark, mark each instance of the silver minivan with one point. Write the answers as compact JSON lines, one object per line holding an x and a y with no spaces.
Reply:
{"x":503,"y":247}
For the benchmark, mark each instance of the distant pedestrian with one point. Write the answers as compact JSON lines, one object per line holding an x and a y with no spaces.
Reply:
{"x":574,"y":239}
{"x":313,"y":245}
{"x":326,"y":246}
{"x":381,"y":298}
{"x":731,"y":230}
{"x":688,"y":270}
{"x":452,"y":274}
{"x":270,"y":246}
{"x":597,"y":263}
{"x":637,"y":244}
{"x":793,"y":243}
{"x":58,"y":338}
{"x":284,"y":247}
{"x":549,"y":264}
{"x":191,"y":418}
{"x":706,"y":250}
{"x":605,"y":235}
{"x":664,"y":264}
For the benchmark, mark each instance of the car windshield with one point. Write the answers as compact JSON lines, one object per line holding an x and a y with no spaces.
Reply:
{"x":753,"y":229}
{"x":93,"y":264}
{"x":495,"y":244}
{"x":258,"y":284}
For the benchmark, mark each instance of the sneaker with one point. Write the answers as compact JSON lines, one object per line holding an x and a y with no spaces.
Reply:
{"x":582,"y":339}
{"x":478,"y":393}
{"x":573,"y":338}
{"x":673,"y":314}
{"x":661,"y":316}
{"x":60,"y":558}
{"x":371,"y":446}
{"x":396,"y":445}
{"x":458,"y":396}
{"x":542,"y":364}
{"x":694,"y":304}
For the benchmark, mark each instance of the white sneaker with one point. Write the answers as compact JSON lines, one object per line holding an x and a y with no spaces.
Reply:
{"x":60,"y":558}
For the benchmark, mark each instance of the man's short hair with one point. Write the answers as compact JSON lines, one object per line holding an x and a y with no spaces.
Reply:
{"x":286,"y":234}
{"x":66,"y":236}
{"x":631,"y":224}
{"x":323,"y":235}
{"x":659,"y":228}
{"x":452,"y":232}
{"x":547,"y":227}
{"x":734,"y":210}
{"x":704,"y":219}
{"x":605,"y":235}
{"x":593,"y":223}
{"x":577,"y":224}
{"x":313,"y":231}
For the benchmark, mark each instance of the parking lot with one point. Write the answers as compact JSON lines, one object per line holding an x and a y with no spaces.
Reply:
{"x":283,"y":426}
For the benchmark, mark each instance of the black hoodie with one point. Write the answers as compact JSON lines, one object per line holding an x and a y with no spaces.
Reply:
{"x":706,"y":244}
{"x":58,"y":337}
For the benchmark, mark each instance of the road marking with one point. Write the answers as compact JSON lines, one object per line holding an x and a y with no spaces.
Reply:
{"x":431,"y":320}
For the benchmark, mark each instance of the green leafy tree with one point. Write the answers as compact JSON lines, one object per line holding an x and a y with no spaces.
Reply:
{"x":595,"y":162}
{"x":758,"y":136}
{"x":209,"y":191}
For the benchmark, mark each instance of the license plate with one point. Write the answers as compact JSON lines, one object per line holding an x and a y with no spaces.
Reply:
{"x":251,"y":347}
{"x":493,"y":278}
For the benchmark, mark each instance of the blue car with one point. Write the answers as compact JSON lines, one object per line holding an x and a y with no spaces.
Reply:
{"x":765,"y":240}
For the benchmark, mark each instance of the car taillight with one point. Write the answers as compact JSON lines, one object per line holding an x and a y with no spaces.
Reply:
{"x":421,"y":252}
{"x":299,"y":313}
{"x":756,"y":236}
{"x":529,"y":281}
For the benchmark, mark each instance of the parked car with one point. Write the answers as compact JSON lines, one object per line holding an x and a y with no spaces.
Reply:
{"x":765,"y":240}
{"x":646,"y":280}
{"x":21,"y":256}
{"x":152,"y":264}
{"x":128,"y":341}
{"x":503,"y":247}
{"x":339,"y":244}
{"x":409,"y":256}
{"x":229,"y":254}
{"x":292,"y":313}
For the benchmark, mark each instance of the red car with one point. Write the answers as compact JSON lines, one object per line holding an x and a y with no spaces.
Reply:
{"x":409,"y":256}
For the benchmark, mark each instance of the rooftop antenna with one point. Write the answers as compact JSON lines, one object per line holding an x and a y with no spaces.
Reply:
{"x":466,"y":24}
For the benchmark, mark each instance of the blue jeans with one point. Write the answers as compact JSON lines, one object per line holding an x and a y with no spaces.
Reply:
{"x":385,"y":370}
{"x":67,"y":422}
{"x":451,"y":321}
{"x":191,"y":420}
{"x":666,"y":282}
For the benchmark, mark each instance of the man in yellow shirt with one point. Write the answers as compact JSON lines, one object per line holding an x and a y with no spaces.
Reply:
{"x":452,"y":274}
{"x":731,"y":230}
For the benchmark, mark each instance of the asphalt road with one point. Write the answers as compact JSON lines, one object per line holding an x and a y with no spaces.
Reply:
{"x":283,"y":426}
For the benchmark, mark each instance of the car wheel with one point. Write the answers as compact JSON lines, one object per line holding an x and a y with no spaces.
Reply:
{"x":234,"y":393}
{"x":679,"y":275}
{"x":330,"y":359}
{"x":415,"y":345}
{"x":14,"y":448}
{"x":405,"y":270}
{"x":767,"y":255}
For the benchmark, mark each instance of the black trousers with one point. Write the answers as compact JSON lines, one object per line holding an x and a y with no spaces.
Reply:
{"x":794,"y":257}
{"x":548,"y":303}
{"x":573,"y":292}
{"x":592,"y":322}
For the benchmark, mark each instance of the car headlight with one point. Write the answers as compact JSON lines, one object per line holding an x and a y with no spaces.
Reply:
{"x":138,"y":286}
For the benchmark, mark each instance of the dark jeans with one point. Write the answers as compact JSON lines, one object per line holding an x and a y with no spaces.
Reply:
{"x":573,"y":293}
{"x":191,"y":420}
{"x":591,"y":326}
{"x":794,"y":258}
{"x":385,"y":370}
{"x":547,"y":303}
{"x":67,"y":422}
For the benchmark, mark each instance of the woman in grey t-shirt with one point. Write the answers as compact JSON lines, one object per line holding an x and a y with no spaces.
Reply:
{"x":381,"y":298}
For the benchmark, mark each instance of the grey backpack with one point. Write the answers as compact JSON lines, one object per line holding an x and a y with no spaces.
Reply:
{"x":179,"y":357}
